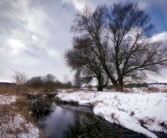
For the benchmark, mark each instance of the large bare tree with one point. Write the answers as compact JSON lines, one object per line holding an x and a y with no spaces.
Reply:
{"x":120,"y":39}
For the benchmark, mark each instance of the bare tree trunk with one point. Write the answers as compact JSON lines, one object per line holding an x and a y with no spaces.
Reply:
{"x":100,"y":83}
{"x":99,"y":88}
{"x":118,"y":87}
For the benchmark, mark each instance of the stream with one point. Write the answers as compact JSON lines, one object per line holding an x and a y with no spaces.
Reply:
{"x":76,"y":122}
{"x":67,"y":121}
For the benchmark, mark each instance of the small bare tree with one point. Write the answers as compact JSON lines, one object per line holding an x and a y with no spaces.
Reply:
{"x":19,"y":78}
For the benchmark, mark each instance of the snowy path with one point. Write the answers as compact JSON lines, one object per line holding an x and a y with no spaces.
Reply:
{"x":139,"y":112}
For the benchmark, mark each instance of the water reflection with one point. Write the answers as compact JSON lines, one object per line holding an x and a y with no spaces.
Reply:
{"x":74,"y":123}
{"x":57,"y":122}
{"x":64,"y":122}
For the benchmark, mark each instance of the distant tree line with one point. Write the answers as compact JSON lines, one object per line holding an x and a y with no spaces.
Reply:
{"x":47,"y":82}
{"x":138,"y":85}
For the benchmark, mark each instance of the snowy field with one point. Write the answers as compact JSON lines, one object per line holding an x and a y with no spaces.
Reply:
{"x":140,"y":112}
{"x":14,"y":125}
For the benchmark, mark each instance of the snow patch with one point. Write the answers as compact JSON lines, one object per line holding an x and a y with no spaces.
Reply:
{"x":17,"y":126}
{"x":7,"y":99}
{"x":139,"y":112}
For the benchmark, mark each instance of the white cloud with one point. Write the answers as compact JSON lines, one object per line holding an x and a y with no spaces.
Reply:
{"x":33,"y":37}
{"x":16,"y":45}
{"x":160,"y":37}
{"x":162,"y":76}
{"x":78,"y":4}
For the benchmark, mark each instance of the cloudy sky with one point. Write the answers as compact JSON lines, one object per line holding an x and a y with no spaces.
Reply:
{"x":34,"y":34}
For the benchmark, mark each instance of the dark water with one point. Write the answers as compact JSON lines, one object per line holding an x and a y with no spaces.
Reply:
{"x":77,"y":122}
{"x":66,"y":121}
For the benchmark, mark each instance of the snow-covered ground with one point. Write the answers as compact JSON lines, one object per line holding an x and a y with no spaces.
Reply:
{"x":17,"y":127}
{"x":140,"y":112}
{"x":5,"y":100}
{"x":14,"y":125}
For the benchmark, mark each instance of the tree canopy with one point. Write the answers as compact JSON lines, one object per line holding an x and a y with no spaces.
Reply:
{"x":115,"y":41}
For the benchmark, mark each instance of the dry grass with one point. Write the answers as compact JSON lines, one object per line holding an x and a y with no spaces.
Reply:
{"x":125,"y":90}
{"x":7,"y":90}
{"x":19,"y":107}
{"x":22,"y":107}
{"x":149,"y":90}
{"x":155,"y":90}
{"x":164,"y":90}
{"x":7,"y":115}
{"x":18,"y":90}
